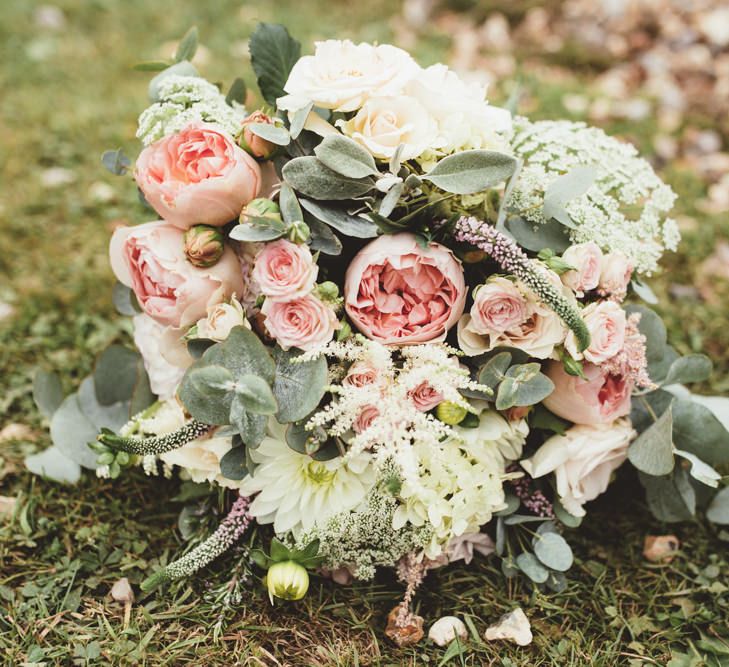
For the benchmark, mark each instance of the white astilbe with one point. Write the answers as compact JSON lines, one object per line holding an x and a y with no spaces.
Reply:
{"x":624,"y":209}
{"x":184,"y":100}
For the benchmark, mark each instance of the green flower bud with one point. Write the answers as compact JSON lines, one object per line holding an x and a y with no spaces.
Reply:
{"x":328,"y":291}
{"x":261,"y":208}
{"x":123,"y":458}
{"x":450,"y":413}
{"x":344,"y":331}
{"x":287,"y":580}
{"x":204,"y":246}
{"x":299,"y":232}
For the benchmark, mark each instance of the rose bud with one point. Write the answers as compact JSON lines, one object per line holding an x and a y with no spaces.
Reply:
{"x":287,"y":580}
{"x":203,"y":246}
{"x":258,"y":147}
{"x":299,"y":232}
{"x":261,"y":208}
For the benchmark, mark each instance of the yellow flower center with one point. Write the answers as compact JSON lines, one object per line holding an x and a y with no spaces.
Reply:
{"x":318,"y":473}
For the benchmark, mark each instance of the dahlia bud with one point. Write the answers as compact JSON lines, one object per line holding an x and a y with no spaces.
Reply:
{"x":258,"y":147}
{"x":203,"y":246}
{"x":261,"y":208}
{"x":287,"y":580}
{"x":299,"y":232}
{"x":450,"y":413}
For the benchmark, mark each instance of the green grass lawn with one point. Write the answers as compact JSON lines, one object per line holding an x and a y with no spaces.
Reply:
{"x":66,"y":96}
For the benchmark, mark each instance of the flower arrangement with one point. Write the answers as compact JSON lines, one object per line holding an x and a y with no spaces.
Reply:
{"x":398,"y":324}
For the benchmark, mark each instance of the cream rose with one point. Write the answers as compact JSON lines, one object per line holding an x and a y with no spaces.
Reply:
{"x":582,"y":461}
{"x":221,"y":318}
{"x":498,"y":305}
{"x":606,"y":322}
{"x":385,"y":123}
{"x":587,"y":260}
{"x":342,"y":75}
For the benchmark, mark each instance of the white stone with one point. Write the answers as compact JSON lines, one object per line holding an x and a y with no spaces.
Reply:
{"x":446,"y":629}
{"x":55,"y":177}
{"x":513,"y":626}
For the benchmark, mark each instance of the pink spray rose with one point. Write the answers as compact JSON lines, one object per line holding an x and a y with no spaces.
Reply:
{"x":606,"y":322}
{"x":361,"y":374}
{"x":600,"y":399}
{"x":425,"y":396}
{"x":150,"y":258}
{"x":615,"y":275}
{"x":587,"y":260}
{"x":197,"y":176}
{"x":305,"y":323}
{"x":396,"y":292}
{"x":285,"y":270}
{"x":365,"y":418}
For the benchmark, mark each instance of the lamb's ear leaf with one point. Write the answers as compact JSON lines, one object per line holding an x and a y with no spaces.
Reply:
{"x":471,"y":171}
{"x":188,"y":45}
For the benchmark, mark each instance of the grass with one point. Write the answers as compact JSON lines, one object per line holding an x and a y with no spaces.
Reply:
{"x":69,"y":95}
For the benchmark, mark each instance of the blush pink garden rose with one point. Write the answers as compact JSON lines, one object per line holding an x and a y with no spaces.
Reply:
{"x":197,"y":176}
{"x":606,"y":322}
{"x":615,"y":275}
{"x":150,"y":258}
{"x":305,"y":323}
{"x":498,"y":306}
{"x":425,"y":396}
{"x":285,"y":270}
{"x":398,"y":293}
{"x":587,"y":260}
{"x":600,"y":399}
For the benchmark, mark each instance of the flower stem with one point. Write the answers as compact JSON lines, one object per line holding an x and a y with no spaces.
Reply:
{"x":513,"y":259}
{"x":159,"y":444}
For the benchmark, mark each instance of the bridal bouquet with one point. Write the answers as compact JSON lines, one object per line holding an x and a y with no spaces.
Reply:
{"x":400,"y":324}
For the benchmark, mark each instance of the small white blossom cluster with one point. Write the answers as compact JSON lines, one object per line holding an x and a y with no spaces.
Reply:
{"x":623,"y":210}
{"x":184,"y":100}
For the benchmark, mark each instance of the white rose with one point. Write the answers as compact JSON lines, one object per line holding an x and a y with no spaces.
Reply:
{"x":221,"y":319}
{"x":150,"y":337}
{"x":465,"y":119}
{"x":582,"y":460}
{"x":615,"y":275}
{"x":342,"y":75}
{"x":200,"y":459}
{"x":384,"y":123}
{"x":606,"y":322}
{"x":587,"y":260}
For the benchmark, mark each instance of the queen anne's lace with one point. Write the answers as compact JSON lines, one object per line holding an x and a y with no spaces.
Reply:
{"x":625,"y":208}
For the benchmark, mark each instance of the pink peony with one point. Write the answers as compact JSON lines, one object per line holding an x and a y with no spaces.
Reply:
{"x":498,"y":306}
{"x":397,"y":292}
{"x":587,"y":260}
{"x":150,"y":258}
{"x":615,"y":275}
{"x":606,"y":322}
{"x":600,"y":399}
{"x":425,"y":396}
{"x":285,"y":270}
{"x":305,"y":323}
{"x":197,"y":176}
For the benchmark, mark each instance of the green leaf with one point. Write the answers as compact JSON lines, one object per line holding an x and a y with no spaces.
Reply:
{"x":54,"y":464}
{"x":233,"y":464}
{"x":188,"y":45}
{"x":47,"y":392}
{"x":552,"y":550}
{"x":298,"y":386}
{"x":536,"y":237}
{"x":116,"y":162}
{"x":390,"y":200}
{"x":718,"y":510}
{"x":665,"y":499}
{"x":289,"y":205}
{"x":112,"y":416}
{"x":71,"y":431}
{"x":569,"y":520}
{"x":494,"y":370}
{"x":506,"y":396}
{"x":242,"y":352}
{"x":255,"y":394}
{"x":471,"y":171}
{"x":206,"y":392}
{"x":197,"y":346}
{"x":125,"y":300}
{"x":142,"y":395}
{"x":652,"y":451}
{"x":251,"y":427}
{"x":532,"y":385}
{"x":298,"y":120}
{"x":274,"y":133}
{"x":279,"y":551}
{"x":529,"y":565}
{"x":643,"y":291}
{"x":183,"y":68}
{"x":346,"y":157}
{"x":309,"y":176}
{"x":337,"y":217}
{"x":562,"y":189}
{"x":697,"y":430}
{"x":255,"y":233}
{"x":688,"y":369}
{"x":151,"y":65}
{"x":237,"y":92}
{"x":546,"y":420}
{"x":323,"y":238}
{"x":512,"y":504}
{"x":273,"y":55}
{"x":116,"y":374}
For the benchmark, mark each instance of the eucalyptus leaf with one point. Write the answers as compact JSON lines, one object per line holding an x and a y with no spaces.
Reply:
{"x":205,"y":392}
{"x":652,"y":327}
{"x":569,"y":520}
{"x":512,"y":504}
{"x":237,"y":92}
{"x":338,"y":218}
{"x":54,"y":464}
{"x":233,"y":464}
{"x":125,"y":300}
{"x":47,"y":392}
{"x":312,"y":178}
{"x":565,"y":188}
{"x":689,"y":369}
{"x":71,"y":431}
{"x":652,"y":451}
{"x":643,"y":291}
{"x":536,"y":237}
{"x":346,"y":157}
{"x":298,"y":386}
{"x":112,"y":416}
{"x":255,"y":394}
{"x":506,"y":396}
{"x":471,"y":171}
{"x":115,"y":374}
{"x":273,"y":54}
{"x":289,"y":205}
{"x":142,"y":395}
{"x":530,"y":565}
{"x":116,"y":162}
{"x":718,"y":510}
{"x":664,"y":498}
{"x":697,"y":430}
{"x":187,"y":47}
{"x":323,"y":238}
{"x":553,"y":551}
{"x":494,"y":370}
{"x":242,"y":352}
{"x":196,"y":346}
{"x":251,"y":427}
{"x":273,"y":133}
